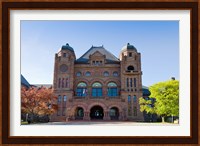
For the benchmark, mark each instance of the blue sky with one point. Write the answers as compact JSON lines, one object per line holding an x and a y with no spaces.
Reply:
{"x":157,"y":41}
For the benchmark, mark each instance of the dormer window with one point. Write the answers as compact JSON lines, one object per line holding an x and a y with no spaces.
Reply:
{"x":97,"y":62}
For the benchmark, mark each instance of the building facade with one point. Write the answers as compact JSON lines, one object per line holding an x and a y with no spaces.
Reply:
{"x":98,"y":85}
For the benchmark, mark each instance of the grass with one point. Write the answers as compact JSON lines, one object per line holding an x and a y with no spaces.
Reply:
{"x":24,"y":123}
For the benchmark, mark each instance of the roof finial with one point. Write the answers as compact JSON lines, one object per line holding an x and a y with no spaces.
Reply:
{"x":67,"y":44}
{"x":128,"y":43}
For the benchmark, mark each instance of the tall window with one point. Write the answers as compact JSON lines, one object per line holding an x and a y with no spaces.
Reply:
{"x":131,"y":82}
{"x":67,"y":83}
{"x":59,"y":111}
{"x":81,"y":89}
{"x":64,"y":98}
{"x":64,"y":105}
{"x":63,"y":83}
{"x":97,"y":89}
{"x":129,"y":105}
{"x":134,"y":82}
{"x":135,"y":111}
{"x":134,"y":98}
{"x":59,"y":82}
{"x":59,"y":99}
{"x":112,"y":89}
{"x":127,"y":82}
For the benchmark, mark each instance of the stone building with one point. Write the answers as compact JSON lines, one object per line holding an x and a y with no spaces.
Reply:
{"x":98,"y":85}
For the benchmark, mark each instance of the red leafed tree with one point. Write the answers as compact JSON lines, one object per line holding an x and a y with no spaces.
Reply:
{"x":38,"y":101}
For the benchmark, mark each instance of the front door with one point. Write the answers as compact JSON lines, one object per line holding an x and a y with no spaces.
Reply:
{"x":96,"y":112}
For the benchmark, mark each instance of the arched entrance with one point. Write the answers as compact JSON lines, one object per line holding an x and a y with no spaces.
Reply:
{"x":79,"y":113}
{"x":114,"y":113}
{"x":96,"y":112}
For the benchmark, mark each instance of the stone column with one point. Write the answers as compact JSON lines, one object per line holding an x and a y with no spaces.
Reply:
{"x":106,"y":116}
{"x":86,"y":116}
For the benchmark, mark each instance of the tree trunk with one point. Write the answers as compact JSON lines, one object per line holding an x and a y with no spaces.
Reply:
{"x":163,"y":119}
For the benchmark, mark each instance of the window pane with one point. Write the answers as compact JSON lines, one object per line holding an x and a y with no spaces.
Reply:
{"x":112,"y":84}
{"x":78,"y":74}
{"x":82,"y":84}
{"x":65,"y":98}
{"x":87,"y":74}
{"x":96,"y":85}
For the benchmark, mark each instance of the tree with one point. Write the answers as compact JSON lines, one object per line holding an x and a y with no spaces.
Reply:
{"x":38,"y":101}
{"x":166,"y":96}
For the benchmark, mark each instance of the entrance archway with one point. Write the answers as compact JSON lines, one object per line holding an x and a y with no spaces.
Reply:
{"x":114,"y":113}
{"x":96,"y":112}
{"x":79,"y":113}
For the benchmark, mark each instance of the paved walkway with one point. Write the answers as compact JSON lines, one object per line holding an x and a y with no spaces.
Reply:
{"x":107,"y":123}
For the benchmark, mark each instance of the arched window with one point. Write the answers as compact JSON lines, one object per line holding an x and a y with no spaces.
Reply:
{"x":81,"y":89}
{"x":78,"y":74}
{"x":97,"y":89}
{"x":79,"y":113}
{"x":130,"y":68}
{"x":112,"y":89}
{"x":115,"y":74}
{"x":87,"y":74}
{"x":106,"y":74}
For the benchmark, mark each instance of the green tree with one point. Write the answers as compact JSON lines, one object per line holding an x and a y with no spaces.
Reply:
{"x":167,"y":99}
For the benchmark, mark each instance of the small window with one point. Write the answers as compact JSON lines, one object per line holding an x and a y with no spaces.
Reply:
{"x":130,"y":54}
{"x":87,"y":74}
{"x":106,"y":74}
{"x":64,"y":55}
{"x":78,"y":74}
{"x":115,"y":74}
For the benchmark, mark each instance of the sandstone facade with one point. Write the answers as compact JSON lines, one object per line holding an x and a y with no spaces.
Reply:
{"x":98,"y":85}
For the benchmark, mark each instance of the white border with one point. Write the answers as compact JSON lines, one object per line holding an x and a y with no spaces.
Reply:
{"x":183,"y":129}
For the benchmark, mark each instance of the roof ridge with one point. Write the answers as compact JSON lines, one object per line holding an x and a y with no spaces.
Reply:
{"x":85,"y":53}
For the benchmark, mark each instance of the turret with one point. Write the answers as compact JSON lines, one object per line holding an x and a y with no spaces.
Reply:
{"x":64,"y":68}
{"x":131,"y":85}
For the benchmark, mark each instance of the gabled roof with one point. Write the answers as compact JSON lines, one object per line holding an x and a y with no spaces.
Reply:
{"x":110,"y":58}
{"x":24,"y":82}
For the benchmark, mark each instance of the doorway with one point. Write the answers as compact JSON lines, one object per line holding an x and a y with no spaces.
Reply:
{"x":96,"y":113}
